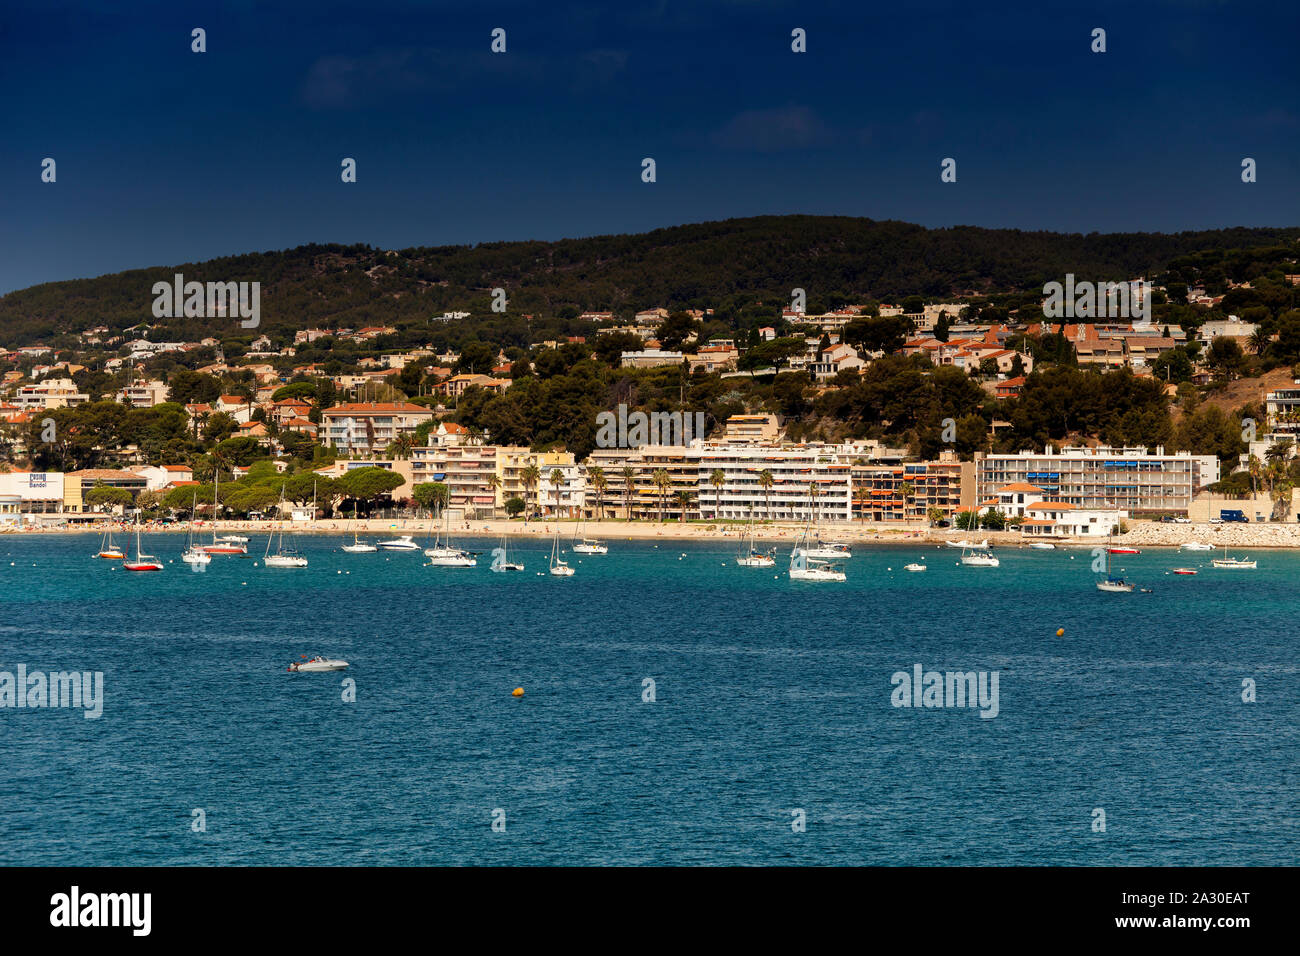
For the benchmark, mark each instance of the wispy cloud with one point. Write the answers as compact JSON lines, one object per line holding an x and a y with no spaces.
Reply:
{"x":772,"y":130}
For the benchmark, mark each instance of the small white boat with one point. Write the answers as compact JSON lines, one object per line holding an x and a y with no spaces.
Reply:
{"x":813,"y":570}
{"x":196,"y":556}
{"x":1042,"y":546}
{"x":317,"y":664}
{"x":590,"y":546}
{"x":359,"y":547}
{"x":501,"y":558}
{"x":1238,"y":563}
{"x":1116,"y":585}
{"x":400,"y":543}
{"x":108,"y":549}
{"x":447,"y":555}
{"x":914,"y":567}
{"x":233,"y":539}
{"x":964,"y":544}
{"x":1184,"y":571}
{"x":828,"y":552}
{"x":980,"y":559}
{"x":558,"y":567}
{"x":750,"y":556}
{"x":283,"y":557}
{"x":1197,"y":546}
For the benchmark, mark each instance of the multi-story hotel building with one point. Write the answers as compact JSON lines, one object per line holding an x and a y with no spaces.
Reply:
{"x":1127,"y":479}
{"x":804,"y":480}
{"x":470,"y":472}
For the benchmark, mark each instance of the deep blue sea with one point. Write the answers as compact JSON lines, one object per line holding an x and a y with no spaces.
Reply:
{"x":770,"y":696}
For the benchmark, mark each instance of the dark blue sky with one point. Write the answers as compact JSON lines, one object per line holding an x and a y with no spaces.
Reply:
{"x":165,"y":156}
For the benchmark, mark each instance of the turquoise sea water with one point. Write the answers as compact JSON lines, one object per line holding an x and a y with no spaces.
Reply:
{"x":770,"y":696}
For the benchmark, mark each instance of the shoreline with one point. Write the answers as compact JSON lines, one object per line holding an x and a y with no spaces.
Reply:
{"x":1151,"y":534}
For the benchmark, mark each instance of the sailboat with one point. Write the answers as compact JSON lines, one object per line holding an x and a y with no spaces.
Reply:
{"x":558,"y":567}
{"x":1113,"y":584}
{"x":805,"y":568}
{"x":978,"y":556}
{"x":282,"y":558}
{"x":750,"y":556}
{"x":221,"y":545}
{"x":192,"y":555}
{"x":142,"y":562}
{"x":448,"y":555}
{"x":1242,"y":564}
{"x":107,"y":549}
{"x":358,"y":546}
{"x":818,"y":548}
{"x":501,"y":558}
{"x":587,"y":545}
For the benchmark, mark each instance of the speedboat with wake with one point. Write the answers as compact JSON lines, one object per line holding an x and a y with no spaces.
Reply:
{"x":318,"y":664}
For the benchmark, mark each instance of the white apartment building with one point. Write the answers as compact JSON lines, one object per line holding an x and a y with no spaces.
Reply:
{"x":52,"y":393}
{"x":805,"y":479}
{"x":1129,"y":479}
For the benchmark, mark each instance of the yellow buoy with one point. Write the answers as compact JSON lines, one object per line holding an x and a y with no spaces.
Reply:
{"x":517,"y":692}
{"x":1060,"y":632}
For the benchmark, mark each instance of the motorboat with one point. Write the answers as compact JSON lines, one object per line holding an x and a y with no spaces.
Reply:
{"x":828,"y":552}
{"x":317,"y":664}
{"x":233,"y":539}
{"x":914,"y":567}
{"x":590,"y":546}
{"x":980,"y":558}
{"x":400,"y":543}
{"x":1124,"y":550}
{"x":1197,"y":546}
{"x":1041,"y":546}
{"x":1184,"y":571}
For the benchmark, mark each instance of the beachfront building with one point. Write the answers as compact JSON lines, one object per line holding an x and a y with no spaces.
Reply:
{"x":1133,"y":480}
{"x":786,"y":483}
{"x":907,"y":491}
{"x":30,"y":498}
{"x":1056,"y":519}
{"x":566,"y":498}
{"x":472,"y":474}
{"x":369,"y":427}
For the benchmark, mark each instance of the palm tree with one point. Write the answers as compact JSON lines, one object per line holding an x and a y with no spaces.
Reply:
{"x":662,"y":483}
{"x":1279,"y":451}
{"x":683,"y":499}
{"x":557,"y":479}
{"x":596,"y":478}
{"x":530,"y":476}
{"x":494,"y":483}
{"x":629,"y":476}
{"x":400,"y":447}
{"x":765,"y":481}
{"x":717,"y":479}
{"x":1259,"y":340}
{"x":905,"y":491}
{"x":1255,"y":468}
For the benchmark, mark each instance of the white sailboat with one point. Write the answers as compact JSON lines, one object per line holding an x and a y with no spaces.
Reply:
{"x":358,"y":546}
{"x":978,"y":556}
{"x":446,"y":554}
{"x":750,"y":556}
{"x":142,"y":562}
{"x":1239,"y":564}
{"x":226,"y":545}
{"x":558,"y":567}
{"x":283,"y":558}
{"x":587,"y":545}
{"x":805,"y":568}
{"x":192,"y":555}
{"x":501,"y":558}
{"x":1113,"y":584}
